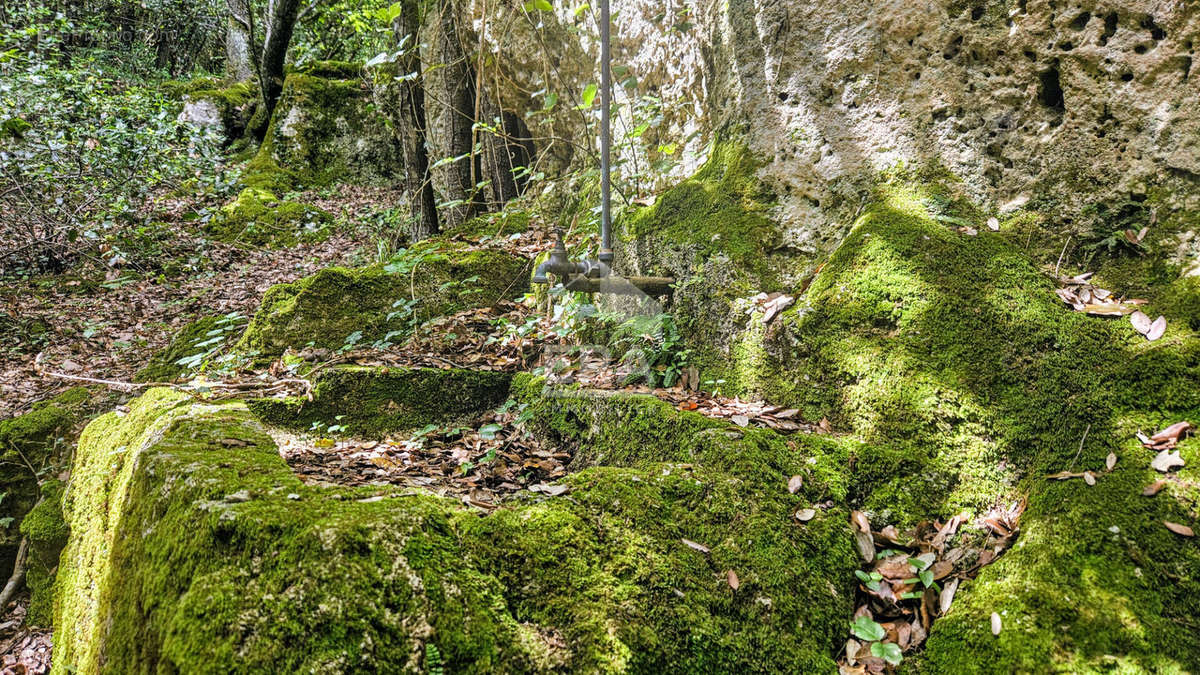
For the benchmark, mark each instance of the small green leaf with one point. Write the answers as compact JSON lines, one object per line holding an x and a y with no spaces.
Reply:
{"x":888,"y":651}
{"x":864,"y":628}
{"x":927,"y":578}
{"x":488,"y":432}
{"x":539,"y":5}
{"x":589,"y":94}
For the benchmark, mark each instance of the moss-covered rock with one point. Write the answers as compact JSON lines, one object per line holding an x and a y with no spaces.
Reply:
{"x":949,"y":355}
{"x":378,"y":401}
{"x":259,"y":218}
{"x":209,"y":102}
{"x":179,"y":534}
{"x":29,"y":444}
{"x":325,"y":129}
{"x":46,"y":531}
{"x":370,"y":303}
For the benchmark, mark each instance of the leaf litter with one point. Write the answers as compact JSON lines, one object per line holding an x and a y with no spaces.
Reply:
{"x":911,"y":579}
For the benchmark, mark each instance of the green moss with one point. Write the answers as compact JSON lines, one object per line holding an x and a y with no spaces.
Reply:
{"x":378,"y":401}
{"x":181,"y":88}
{"x":47,"y":532}
{"x":177,"y":536}
{"x":722,"y":209}
{"x":325,"y":309}
{"x":29,"y":443}
{"x":967,"y":380}
{"x":324,"y":129}
{"x":259,"y":218}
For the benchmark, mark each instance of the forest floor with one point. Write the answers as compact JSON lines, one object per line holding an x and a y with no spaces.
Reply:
{"x":105,"y":324}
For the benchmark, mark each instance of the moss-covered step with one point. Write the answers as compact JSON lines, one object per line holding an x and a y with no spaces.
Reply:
{"x":195,"y":549}
{"x":325,"y":129}
{"x":258,"y":218}
{"x":338,"y":306}
{"x":377,"y":401}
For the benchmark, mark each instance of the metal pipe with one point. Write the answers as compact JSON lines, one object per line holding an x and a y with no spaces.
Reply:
{"x":606,"y":253}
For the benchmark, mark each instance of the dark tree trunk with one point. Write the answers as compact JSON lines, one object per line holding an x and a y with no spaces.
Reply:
{"x":450,"y":112}
{"x":410,"y":125}
{"x":281,"y":21}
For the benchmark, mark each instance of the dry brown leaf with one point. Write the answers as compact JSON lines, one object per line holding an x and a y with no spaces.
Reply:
{"x":993,"y":224}
{"x":1111,"y":461}
{"x":731,"y":578}
{"x":795,"y":483}
{"x":1107,"y":309}
{"x":1173,"y":432}
{"x":1154,"y":488}
{"x":1089,"y":478}
{"x":740,"y":420}
{"x":860,"y":521}
{"x":1157,"y":329}
{"x":1183,"y":530}
{"x":997,"y":624}
{"x":691,"y":544}
{"x":805,"y":515}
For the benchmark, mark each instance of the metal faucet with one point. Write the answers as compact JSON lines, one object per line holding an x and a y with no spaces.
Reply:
{"x":560,"y":264}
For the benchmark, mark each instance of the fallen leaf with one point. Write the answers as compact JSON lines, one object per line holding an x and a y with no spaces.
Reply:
{"x":805,"y":515}
{"x":1172,"y":432}
{"x":551,"y":490}
{"x":860,"y":521}
{"x":740,"y":420}
{"x":790,"y":412}
{"x":993,"y":224}
{"x":699,"y":547}
{"x":1157,"y":329}
{"x":1179,"y":529}
{"x":234,"y":443}
{"x":1110,"y":461}
{"x":795,"y":483}
{"x":1089,"y":478}
{"x":1166,"y":460}
{"x":1153,"y":488}
{"x":997,"y":624}
{"x":947,"y":596}
{"x":1141,"y":322}
{"x":731,"y":578}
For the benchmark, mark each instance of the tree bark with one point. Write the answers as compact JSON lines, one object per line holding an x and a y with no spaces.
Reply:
{"x":238,"y":43}
{"x":281,"y":22}
{"x":411,"y":128}
{"x":450,"y":113}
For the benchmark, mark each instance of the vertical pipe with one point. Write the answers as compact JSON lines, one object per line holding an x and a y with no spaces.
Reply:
{"x":606,"y":254}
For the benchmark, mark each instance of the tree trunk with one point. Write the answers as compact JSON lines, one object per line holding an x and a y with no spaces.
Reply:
{"x":281,"y":21}
{"x":410,"y":124}
{"x":450,"y":113}
{"x":238,"y":43}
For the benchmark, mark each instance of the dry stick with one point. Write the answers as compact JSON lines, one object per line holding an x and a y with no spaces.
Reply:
{"x":1060,"y":255}
{"x":1080,"y":451}
{"x":18,"y":573}
{"x":132,"y":386}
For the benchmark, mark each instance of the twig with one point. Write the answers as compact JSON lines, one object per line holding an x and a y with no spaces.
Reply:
{"x":1080,"y":451}
{"x":18,"y":574}
{"x":1060,"y":255}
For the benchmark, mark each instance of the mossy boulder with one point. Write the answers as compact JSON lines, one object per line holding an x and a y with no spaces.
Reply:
{"x":325,"y":129}
{"x":259,"y":218}
{"x":378,"y":401}
{"x":179,"y":534}
{"x":29,"y":446}
{"x":208,"y":102}
{"x":338,"y":306}
{"x":947,"y":354}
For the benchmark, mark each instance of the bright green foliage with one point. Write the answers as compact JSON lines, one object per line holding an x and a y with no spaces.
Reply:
{"x":163,"y":366}
{"x":259,"y":218}
{"x":378,"y":401}
{"x":325,"y":309}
